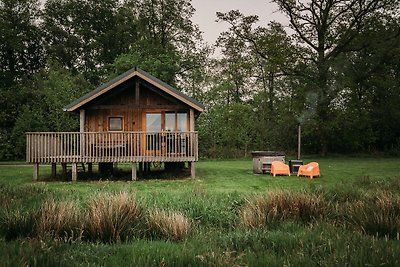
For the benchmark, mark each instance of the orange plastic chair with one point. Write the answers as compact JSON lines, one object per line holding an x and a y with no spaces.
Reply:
{"x":278,"y":167}
{"x":311,"y":169}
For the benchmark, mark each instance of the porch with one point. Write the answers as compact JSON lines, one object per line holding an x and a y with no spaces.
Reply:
{"x":110,"y":147}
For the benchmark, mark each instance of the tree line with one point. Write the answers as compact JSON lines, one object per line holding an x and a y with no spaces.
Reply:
{"x":335,"y":70}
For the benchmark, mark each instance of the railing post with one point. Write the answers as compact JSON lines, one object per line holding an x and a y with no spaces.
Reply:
{"x":27,"y":148}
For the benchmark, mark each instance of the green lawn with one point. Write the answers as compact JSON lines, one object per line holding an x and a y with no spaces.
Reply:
{"x":213,"y":202}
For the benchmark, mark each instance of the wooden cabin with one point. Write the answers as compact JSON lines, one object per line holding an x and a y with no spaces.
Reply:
{"x":134,"y":118}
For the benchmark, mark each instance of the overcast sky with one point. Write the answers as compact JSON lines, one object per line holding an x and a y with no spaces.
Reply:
{"x":205,"y":14}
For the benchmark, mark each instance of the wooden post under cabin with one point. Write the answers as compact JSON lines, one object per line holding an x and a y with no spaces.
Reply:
{"x":64,"y":170}
{"x":134,"y":169}
{"x":74,"y":172}
{"x":90,"y":169}
{"x":35,"y":172}
{"x":53,"y":170}
{"x":140,"y":168}
{"x":192,"y":166}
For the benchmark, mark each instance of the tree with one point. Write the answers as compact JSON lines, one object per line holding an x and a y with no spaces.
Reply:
{"x":328,"y":28}
{"x":168,"y":44}
{"x":21,"y":56}
{"x":269,"y":50}
{"x":54,"y":88}
{"x":255,"y":69}
{"x":21,"y":53}
{"x":369,"y":78}
{"x":85,"y":36}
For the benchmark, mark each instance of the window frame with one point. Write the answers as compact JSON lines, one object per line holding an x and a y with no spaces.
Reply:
{"x":109,"y":123}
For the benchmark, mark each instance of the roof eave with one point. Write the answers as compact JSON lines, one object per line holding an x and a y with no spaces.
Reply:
{"x":77,"y":104}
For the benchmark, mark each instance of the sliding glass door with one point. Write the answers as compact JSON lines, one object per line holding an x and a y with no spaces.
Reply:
{"x":166,"y":132}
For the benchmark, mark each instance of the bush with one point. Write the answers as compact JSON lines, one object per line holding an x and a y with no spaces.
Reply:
{"x":379,"y":215}
{"x":59,"y":220}
{"x":17,"y":224}
{"x":260,"y":211}
{"x":170,"y":225}
{"x":110,"y":217}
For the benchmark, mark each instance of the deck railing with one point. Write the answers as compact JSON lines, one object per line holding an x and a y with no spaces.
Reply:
{"x":68,"y":147}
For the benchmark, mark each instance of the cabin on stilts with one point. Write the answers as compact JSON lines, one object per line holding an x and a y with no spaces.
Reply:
{"x":134,"y":118}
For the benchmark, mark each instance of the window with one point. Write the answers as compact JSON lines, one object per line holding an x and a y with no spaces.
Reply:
{"x":153,"y":122}
{"x":182,"y":122}
{"x":169,"y":122}
{"x":115,"y":123}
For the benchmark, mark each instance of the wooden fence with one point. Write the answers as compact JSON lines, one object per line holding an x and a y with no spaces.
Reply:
{"x":68,"y":147}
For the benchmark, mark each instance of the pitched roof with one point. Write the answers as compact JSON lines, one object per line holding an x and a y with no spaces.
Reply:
{"x":126,"y":76}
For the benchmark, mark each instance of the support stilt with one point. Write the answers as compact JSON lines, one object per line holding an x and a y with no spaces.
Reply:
{"x":35,"y":177}
{"x":140,"y":168}
{"x":192,"y":169}
{"x":90,"y":169}
{"x":53,"y":170}
{"x":64,"y":170}
{"x":74,"y":172}
{"x":148,"y":167}
{"x":134,"y":169}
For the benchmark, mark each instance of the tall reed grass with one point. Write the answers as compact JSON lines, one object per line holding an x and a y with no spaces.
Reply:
{"x":378,"y":215}
{"x":60,"y":220}
{"x":111,"y":217}
{"x":167,"y":224}
{"x":278,"y":206}
{"x":16,"y":224}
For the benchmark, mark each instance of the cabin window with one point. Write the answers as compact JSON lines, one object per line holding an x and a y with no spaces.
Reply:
{"x":153,"y":122}
{"x":115,"y":123}
{"x":170,"y":121}
{"x":182,"y":122}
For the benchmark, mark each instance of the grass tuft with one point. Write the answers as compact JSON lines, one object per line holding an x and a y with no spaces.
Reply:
{"x":110,"y":217}
{"x":60,"y":220}
{"x":279,"y":206}
{"x":378,"y":216}
{"x":17,"y":224}
{"x":170,"y":225}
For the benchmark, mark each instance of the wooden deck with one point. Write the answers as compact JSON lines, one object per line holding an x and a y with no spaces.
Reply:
{"x":95,"y":147}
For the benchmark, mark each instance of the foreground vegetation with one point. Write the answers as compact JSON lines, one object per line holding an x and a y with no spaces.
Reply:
{"x":227,"y":216}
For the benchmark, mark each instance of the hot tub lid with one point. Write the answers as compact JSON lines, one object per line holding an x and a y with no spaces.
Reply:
{"x":267,"y":153}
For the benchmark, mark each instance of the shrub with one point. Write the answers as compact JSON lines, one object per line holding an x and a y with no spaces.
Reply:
{"x":110,"y":217}
{"x":379,"y":215}
{"x":170,"y":225}
{"x":17,"y":224}
{"x":260,"y":211}
{"x":59,"y":220}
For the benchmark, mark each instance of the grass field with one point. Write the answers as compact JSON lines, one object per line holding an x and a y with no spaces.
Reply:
{"x":225,"y":217}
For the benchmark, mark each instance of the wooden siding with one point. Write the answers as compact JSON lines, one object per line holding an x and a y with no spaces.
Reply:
{"x":131,"y":103}
{"x":111,"y":147}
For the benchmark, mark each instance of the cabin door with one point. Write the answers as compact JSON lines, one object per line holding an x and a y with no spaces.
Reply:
{"x":165,"y":132}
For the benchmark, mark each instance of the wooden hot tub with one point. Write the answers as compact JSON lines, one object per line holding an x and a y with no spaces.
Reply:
{"x":262,"y":160}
